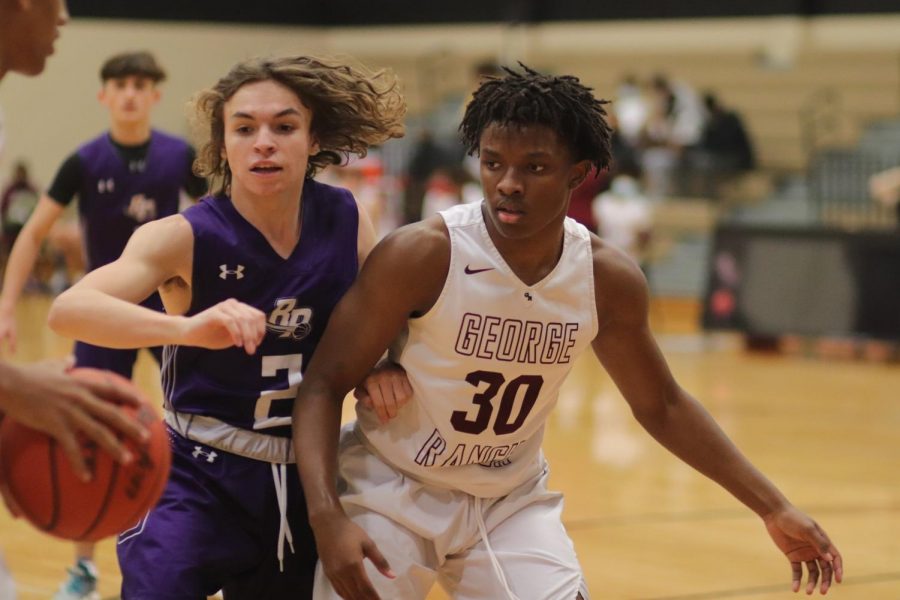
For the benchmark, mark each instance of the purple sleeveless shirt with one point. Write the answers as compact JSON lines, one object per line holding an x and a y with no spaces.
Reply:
{"x":232,"y":259}
{"x":116,"y":197}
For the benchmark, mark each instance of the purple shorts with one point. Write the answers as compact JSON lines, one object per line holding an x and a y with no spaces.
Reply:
{"x":216,"y":527}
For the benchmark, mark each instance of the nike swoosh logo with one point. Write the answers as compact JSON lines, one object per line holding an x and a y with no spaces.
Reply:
{"x":470,"y":271}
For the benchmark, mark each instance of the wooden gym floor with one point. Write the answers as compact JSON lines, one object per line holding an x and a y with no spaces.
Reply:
{"x":645,"y":525}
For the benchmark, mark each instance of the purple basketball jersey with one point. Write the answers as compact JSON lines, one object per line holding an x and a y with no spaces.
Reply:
{"x":232,"y":259}
{"x":117,"y":197}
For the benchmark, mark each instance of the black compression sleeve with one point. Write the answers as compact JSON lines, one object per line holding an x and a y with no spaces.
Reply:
{"x":67,"y":182}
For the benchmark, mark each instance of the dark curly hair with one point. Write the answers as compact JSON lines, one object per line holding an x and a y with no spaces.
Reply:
{"x":562,"y":103}
{"x":352,"y":109}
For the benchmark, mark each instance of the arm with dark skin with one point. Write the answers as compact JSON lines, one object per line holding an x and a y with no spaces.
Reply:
{"x":676,"y":420}
{"x":402,"y":277}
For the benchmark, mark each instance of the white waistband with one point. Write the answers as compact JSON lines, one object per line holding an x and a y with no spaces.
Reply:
{"x":222,"y":436}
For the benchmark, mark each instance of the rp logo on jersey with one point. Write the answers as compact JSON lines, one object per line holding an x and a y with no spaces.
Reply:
{"x":141,"y":208}
{"x":288,"y":321}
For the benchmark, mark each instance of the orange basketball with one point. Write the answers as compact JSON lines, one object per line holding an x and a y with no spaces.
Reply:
{"x":52,"y":496}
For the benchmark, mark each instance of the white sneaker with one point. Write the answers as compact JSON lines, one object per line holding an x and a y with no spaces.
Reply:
{"x":7,"y":585}
{"x":81,"y":584}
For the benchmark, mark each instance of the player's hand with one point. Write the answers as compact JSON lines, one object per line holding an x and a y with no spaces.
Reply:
{"x":45,"y":397}
{"x":228,"y":323}
{"x":8,"y":334}
{"x":385,"y":390}
{"x":343,"y":546}
{"x":803,"y":541}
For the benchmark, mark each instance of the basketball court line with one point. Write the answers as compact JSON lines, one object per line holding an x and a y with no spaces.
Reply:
{"x":856,"y":580}
{"x":587,"y":523}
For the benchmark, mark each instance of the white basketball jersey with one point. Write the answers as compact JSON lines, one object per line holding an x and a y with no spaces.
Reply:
{"x":486,"y":363}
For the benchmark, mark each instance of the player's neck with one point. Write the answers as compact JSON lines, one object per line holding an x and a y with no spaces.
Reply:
{"x":130,"y":134}
{"x":531,"y":258}
{"x":276,"y":217}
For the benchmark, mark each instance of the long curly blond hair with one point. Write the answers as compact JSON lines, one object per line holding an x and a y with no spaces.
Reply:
{"x":352,"y":109}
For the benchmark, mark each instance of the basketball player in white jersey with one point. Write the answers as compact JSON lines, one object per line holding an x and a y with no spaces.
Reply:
{"x":499,"y":298}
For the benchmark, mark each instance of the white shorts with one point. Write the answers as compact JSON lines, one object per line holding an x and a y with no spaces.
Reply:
{"x":430,"y":534}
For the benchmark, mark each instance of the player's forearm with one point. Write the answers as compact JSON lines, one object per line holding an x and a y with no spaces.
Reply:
{"x":7,"y":384}
{"x":687,"y":430}
{"x":18,"y":268}
{"x":103,"y":320}
{"x":316,"y":430}
{"x":15,"y":401}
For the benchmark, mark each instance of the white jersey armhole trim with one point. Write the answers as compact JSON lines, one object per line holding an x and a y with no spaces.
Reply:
{"x":423,"y":318}
{"x":579,"y":231}
{"x":592,"y":288}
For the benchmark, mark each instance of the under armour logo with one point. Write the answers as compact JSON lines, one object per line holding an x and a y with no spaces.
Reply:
{"x":528,"y":296}
{"x":209,"y":456}
{"x":224,"y":272}
{"x":106,"y":185}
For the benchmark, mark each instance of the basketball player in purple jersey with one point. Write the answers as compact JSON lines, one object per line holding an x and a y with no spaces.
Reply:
{"x":42,"y":395}
{"x":123,"y":178}
{"x":249,"y":277}
{"x":497,"y":299}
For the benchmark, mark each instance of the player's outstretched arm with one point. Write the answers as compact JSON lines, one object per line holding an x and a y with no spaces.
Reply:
{"x":103,"y":309}
{"x":804,"y":542}
{"x":44,"y":396}
{"x":21,"y":263}
{"x":679,"y":422}
{"x":403,"y":276}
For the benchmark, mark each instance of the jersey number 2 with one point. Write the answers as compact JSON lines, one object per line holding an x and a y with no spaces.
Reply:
{"x":504,"y":422}
{"x":271,"y":365}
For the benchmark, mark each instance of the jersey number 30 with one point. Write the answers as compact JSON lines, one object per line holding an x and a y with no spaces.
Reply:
{"x":504,"y":423}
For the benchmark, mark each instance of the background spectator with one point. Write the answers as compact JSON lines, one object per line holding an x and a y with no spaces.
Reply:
{"x":725,"y":151}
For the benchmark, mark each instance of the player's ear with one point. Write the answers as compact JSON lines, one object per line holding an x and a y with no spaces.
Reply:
{"x":578,"y":174}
